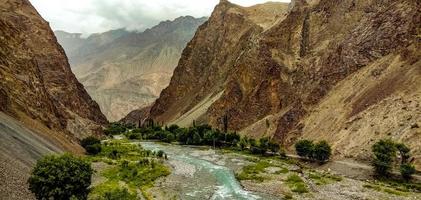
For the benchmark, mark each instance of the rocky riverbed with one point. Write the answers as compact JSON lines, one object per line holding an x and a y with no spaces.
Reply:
{"x":203,"y":173}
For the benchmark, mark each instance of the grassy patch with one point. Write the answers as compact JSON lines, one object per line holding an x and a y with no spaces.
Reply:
{"x":296,"y":184}
{"x":384,"y":189}
{"x":323,"y":179}
{"x":137,"y":175}
{"x":251,"y":172}
{"x":132,"y":168}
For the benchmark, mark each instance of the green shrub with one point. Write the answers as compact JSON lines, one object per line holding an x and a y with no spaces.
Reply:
{"x":160,"y":153}
{"x":61,"y":177}
{"x":296,"y":184}
{"x":322,"y":151}
{"x":384,"y":153}
{"x":89,"y":141}
{"x":407,"y":170}
{"x":115,"y":129}
{"x":134,"y":136}
{"x":304,"y":148}
{"x":93,"y":149}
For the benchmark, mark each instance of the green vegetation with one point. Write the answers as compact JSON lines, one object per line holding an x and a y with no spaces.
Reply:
{"x":407,"y":171}
{"x":251,"y":172}
{"x":131,"y":165}
{"x":61,"y":177}
{"x":296,"y":184}
{"x":118,"y":194}
{"x":384,"y":189}
{"x":304,"y":148}
{"x":92,"y":145}
{"x":203,"y":135}
{"x":323,"y":178}
{"x":320,"y":152}
{"x":117,"y":128}
{"x":384,"y":155}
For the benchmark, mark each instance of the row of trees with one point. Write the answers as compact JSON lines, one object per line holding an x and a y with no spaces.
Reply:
{"x":320,"y":151}
{"x":204,"y":135}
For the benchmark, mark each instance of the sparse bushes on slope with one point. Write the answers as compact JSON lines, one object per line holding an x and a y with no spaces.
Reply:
{"x":61,"y":177}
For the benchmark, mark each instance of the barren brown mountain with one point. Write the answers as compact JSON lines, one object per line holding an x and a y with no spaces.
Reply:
{"x":124,"y":70}
{"x":43,"y":108}
{"x":348,"y":72}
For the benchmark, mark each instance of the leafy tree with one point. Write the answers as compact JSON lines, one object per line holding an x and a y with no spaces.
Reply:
{"x":134,"y":136}
{"x":243,"y":143}
{"x":92,"y":145}
{"x":384,"y":153}
{"x":322,"y":151}
{"x":93,"y":149}
{"x":304,"y":148}
{"x":173,"y":128}
{"x":197,"y":140}
{"x":89,"y":141}
{"x":115,"y":129}
{"x":263,"y":145}
{"x":61,"y":177}
{"x":404,"y":152}
{"x":407,"y":170}
{"x":274,"y":147}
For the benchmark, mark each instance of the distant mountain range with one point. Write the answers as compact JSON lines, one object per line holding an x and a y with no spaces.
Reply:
{"x":124,"y":70}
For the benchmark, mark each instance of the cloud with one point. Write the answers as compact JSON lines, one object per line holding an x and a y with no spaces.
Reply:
{"x":92,"y":16}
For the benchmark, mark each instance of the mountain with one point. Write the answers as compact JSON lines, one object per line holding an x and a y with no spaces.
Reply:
{"x":348,"y":72}
{"x":78,"y":48}
{"x":125,"y":70}
{"x":43,"y":108}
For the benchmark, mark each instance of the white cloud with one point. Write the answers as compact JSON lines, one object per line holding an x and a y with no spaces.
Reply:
{"x":91,"y":16}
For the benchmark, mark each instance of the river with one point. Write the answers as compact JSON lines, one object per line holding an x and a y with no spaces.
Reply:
{"x":202,"y":173}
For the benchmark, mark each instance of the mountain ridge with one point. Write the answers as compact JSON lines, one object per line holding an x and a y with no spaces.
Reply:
{"x":276,"y":80}
{"x":130,"y":71}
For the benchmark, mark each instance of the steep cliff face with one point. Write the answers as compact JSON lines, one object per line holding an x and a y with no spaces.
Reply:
{"x":345,"y":71}
{"x":36,"y":79}
{"x":125,"y":70}
{"x":43,"y":108}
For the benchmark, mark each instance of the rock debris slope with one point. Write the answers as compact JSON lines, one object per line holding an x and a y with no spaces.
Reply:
{"x":345,"y":71}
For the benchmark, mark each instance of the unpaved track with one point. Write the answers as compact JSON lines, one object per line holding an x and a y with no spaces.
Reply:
{"x":351,"y":168}
{"x":19,"y":150}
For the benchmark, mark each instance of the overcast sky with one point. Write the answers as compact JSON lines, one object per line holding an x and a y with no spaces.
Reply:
{"x":92,"y":16}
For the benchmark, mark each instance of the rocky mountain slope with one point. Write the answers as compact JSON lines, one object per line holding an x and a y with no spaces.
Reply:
{"x":125,"y":70}
{"x":345,"y":71}
{"x":43,"y":108}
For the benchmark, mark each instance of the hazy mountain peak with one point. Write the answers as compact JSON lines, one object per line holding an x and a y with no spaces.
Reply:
{"x":125,"y":70}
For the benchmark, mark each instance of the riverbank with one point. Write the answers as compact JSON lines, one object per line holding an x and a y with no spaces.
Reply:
{"x":275,"y":178}
{"x":200,"y":172}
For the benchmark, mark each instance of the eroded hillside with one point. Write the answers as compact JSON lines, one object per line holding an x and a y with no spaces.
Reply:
{"x":43,"y":108}
{"x":345,"y":71}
